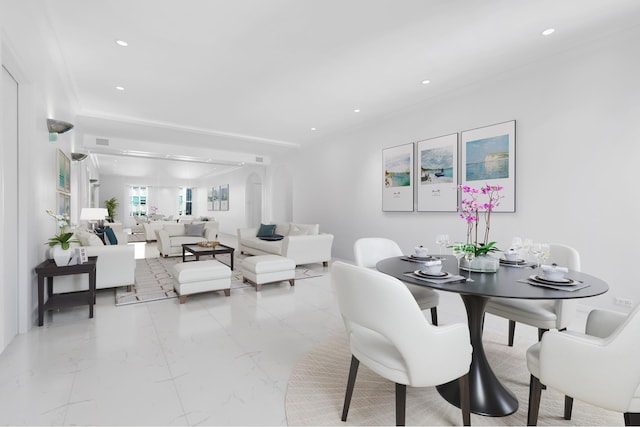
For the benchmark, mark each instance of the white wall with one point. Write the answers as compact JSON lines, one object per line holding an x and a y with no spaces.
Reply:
{"x":577,"y":151}
{"x":43,"y":94}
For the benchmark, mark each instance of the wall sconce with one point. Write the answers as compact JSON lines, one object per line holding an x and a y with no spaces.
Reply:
{"x":57,"y":127}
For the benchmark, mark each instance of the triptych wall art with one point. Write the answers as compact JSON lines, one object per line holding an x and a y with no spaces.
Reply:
{"x":477,"y":157}
{"x":218,"y":198}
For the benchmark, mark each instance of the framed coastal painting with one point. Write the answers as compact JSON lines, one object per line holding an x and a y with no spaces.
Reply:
{"x":489,"y":158}
{"x":224,"y":197}
{"x":397,"y":178}
{"x":215,"y":191}
{"x":63,"y":204}
{"x":210,"y":199}
{"x":437,"y":174}
{"x":64,"y":172}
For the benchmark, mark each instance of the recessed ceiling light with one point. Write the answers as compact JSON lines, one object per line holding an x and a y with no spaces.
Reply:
{"x":357,"y":110}
{"x":122,"y":43}
{"x":120,"y":88}
{"x":425,"y":82}
{"x":548,"y":31}
{"x":313,"y":128}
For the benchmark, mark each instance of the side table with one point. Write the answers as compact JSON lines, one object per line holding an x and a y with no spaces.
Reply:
{"x":49,"y":269}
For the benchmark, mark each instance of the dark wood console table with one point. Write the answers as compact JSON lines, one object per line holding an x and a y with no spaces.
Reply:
{"x":49,"y":269}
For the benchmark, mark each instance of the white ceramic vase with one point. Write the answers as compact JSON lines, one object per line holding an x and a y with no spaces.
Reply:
{"x":60,"y":256}
{"x":482,"y":264}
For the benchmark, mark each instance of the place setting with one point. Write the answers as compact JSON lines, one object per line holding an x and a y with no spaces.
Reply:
{"x":511,"y":257}
{"x":431,"y":271}
{"x":553,"y":277}
{"x":421,"y":254}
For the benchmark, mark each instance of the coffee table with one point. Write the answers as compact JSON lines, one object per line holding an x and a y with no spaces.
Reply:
{"x":198,"y":251}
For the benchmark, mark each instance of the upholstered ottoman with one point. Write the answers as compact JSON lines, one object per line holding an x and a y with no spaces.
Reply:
{"x":263,"y":269}
{"x":200,"y":276}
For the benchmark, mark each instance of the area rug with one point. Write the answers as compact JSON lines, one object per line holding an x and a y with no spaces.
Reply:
{"x":153,"y":279}
{"x":315,"y":393}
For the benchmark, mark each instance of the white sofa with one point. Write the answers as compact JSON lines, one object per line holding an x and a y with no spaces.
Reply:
{"x":151,"y":227}
{"x":116,"y":264}
{"x":303,"y":243}
{"x":171,"y":237}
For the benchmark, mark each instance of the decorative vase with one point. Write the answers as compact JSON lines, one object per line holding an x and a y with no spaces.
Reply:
{"x":61,"y":256}
{"x":481,"y":264}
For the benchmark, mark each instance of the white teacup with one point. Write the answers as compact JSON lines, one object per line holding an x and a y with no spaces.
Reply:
{"x":511,"y":255}
{"x":553,"y":272}
{"x":432,"y":267}
{"x":421,"y":251}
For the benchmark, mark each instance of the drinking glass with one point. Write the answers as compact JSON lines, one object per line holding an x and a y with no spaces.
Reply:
{"x":443,"y":241}
{"x":536,"y":250}
{"x":469,"y":254}
{"x":526,"y":246}
{"x":546,"y":251}
{"x":458,"y":252}
{"x":516,"y":243}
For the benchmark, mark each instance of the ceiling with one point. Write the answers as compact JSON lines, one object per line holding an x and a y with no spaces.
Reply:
{"x":243,"y":78}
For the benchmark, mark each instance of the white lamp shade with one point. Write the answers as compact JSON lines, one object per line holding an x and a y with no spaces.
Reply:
{"x":93,"y":214}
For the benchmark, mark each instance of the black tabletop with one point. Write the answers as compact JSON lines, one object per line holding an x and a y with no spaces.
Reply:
{"x":503,"y":283}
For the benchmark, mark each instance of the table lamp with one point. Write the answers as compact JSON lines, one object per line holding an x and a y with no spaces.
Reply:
{"x":93,"y":216}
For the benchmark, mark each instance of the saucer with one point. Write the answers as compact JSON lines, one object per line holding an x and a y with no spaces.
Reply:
{"x":440,"y":275}
{"x":514,"y":262}
{"x":564,"y":281}
{"x":421,"y":258}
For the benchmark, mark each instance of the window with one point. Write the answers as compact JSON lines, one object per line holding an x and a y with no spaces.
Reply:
{"x":185,"y":201}
{"x":138,"y":201}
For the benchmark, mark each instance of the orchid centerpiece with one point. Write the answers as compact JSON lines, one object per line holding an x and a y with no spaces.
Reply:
{"x":63,"y":238}
{"x":472,"y":210}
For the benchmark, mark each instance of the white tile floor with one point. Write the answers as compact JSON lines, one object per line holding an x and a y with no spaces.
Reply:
{"x":212,"y":361}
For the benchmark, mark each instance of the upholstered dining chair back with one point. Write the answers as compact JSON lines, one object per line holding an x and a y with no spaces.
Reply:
{"x":599,"y":367}
{"x":369,"y":250}
{"x":389,"y":333}
{"x":542,"y":314}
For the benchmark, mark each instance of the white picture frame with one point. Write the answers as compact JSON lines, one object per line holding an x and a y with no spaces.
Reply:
{"x":437,"y":174}
{"x":397,"y":178}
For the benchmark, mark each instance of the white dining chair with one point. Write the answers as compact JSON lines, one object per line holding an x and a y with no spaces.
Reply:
{"x":390,"y":335}
{"x":369,"y":250}
{"x":542,"y":314}
{"x":599,"y":367}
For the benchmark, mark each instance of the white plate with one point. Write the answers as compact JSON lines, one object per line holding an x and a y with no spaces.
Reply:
{"x":564,"y":281}
{"x":422,"y":258}
{"x":441,"y":275}
{"x":514,"y":262}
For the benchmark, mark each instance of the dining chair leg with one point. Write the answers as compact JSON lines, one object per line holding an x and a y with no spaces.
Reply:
{"x":568,"y":407}
{"x":434,"y":316}
{"x":465,"y":399}
{"x":632,"y":418}
{"x":535,"y":390}
{"x":540,"y":333}
{"x":401,"y":403}
{"x":353,"y":371}
{"x":512,"y":331}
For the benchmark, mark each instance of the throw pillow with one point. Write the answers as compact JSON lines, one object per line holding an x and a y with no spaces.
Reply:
{"x":272,"y":238}
{"x":94,"y":240}
{"x":266,"y":230}
{"x":194,"y":230}
{"x":111,"y":236}
{"x":304,"y":229}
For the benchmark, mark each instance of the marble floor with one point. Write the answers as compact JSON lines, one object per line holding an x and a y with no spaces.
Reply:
{"x":215,"y":360}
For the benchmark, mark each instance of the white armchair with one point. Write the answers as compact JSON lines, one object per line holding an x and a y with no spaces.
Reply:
{"x":599,"y":367}
{"x":390,"y":335}
{"x":542,"y":314}
{"x":369,"y":250}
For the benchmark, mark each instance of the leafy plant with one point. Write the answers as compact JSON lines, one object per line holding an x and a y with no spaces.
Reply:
{"x":62,"y":238}
{"x":111,"y":205}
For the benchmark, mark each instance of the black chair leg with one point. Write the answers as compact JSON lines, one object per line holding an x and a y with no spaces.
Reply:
{"x":353,"y":371}
{"x":540,"y":333}
{"x":535,"y":390}
{"x":512,"y":331}
{"x":465,"y":399}
{"x":632,"y":418}
{"x":401,"y":403}
{"x":568,"y":407}
{"x":434,"y":316}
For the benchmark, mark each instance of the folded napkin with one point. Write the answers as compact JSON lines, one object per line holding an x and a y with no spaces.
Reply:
{"x":557,"y":268}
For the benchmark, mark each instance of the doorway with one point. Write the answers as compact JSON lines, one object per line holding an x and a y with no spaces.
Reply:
{"x":253,"y":200}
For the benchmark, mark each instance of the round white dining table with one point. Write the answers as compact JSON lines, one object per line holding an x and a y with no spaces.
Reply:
{"x":488,"y":395}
